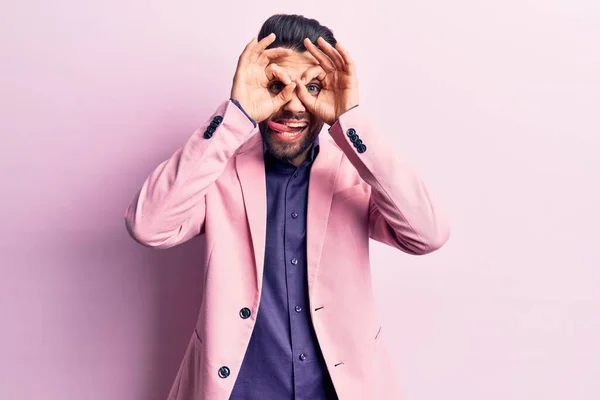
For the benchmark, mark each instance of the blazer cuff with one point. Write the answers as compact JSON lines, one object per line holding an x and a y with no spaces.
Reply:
{"x":237,"y":103}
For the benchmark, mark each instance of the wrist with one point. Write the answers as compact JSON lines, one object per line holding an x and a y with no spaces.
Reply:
{"x":345,"y":110}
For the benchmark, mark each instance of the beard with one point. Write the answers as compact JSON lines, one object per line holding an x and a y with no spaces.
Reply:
{"x":287,"y":151}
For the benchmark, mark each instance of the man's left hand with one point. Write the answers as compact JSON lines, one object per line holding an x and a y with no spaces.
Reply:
{"x":339,"y":85}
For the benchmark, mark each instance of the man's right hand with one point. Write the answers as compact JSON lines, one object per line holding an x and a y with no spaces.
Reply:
{"x":253,"y":76}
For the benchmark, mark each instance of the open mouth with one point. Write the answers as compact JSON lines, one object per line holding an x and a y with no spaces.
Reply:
{"x":288,"y":130}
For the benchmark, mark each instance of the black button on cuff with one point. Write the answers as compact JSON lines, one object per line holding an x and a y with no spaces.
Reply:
{"x":362,"y":148}
{"x":245,"y":313}
{"x":224,"y":372}
{"x":218,"y":119}
{"x":207,"y":135}
{"x":351,"y":132}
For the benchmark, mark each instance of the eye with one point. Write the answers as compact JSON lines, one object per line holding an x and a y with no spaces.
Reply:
{"x":313,"y":88}
{"x":276,"y":87}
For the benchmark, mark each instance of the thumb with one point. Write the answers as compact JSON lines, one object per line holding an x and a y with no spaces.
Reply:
{"x":285,"y":95}
{"x":305,"y":97}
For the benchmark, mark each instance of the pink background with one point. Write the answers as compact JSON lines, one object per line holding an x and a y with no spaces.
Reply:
{"x":496,"y":103}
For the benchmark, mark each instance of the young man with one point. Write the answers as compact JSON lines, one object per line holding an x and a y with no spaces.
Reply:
{"x":287,"y":309}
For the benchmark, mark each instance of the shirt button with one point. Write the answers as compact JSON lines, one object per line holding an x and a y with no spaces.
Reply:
{"x":294,"y":261}
{"x":302,"y":357}
{"x":295,"y":175}
{"x":294,"y":215}
{"x":298,"y":308}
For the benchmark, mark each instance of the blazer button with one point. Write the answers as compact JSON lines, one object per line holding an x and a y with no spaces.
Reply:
{"x":362,"y":148}
{"x":218,"y":119}
{"x":245,"y":313}
{"x":207,"y":135}
{"x":351,"y":132}
{"x":224,"y":372}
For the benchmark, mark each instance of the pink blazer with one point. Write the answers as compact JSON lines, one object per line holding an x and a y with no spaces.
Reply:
{"x":216,"y":186}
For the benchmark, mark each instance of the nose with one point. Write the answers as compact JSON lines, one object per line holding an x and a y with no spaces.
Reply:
{"x":294,"y":106}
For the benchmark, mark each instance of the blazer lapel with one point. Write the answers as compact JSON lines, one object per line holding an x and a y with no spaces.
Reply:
{"x":250,"y":166}
{"x":320,"y":193}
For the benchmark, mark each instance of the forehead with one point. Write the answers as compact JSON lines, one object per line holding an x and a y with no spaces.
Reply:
{"x":296,"y":63}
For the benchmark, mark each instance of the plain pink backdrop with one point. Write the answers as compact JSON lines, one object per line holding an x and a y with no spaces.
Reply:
{"x":496,"y":103}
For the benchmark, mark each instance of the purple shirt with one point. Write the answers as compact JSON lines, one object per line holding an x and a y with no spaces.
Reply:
{"x":283,"y":360}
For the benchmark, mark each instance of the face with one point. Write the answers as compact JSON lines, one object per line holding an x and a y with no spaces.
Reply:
{"x":290,"y":132}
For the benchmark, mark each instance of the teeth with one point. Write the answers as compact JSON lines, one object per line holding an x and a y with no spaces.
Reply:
{"x":296,"y":125}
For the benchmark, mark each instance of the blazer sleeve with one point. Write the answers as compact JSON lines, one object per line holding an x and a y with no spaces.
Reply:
{"x":402,"y":212}
{"x":170,"y":207}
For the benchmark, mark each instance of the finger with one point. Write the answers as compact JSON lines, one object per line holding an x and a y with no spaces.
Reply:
{"x":247,"y":51}
{"x":321,"y":57}
{"x":273,"y":54}
{"x":275,"y":72}
{"x":305,"y":97}
{"x":277,"y":52}
{"x":250,"y":45}
{"x":350,"y":67}
{"x":333,"y":54}
{"x":284,"y":96}
{"x":264,"y":43}
{"x":313,"y":72}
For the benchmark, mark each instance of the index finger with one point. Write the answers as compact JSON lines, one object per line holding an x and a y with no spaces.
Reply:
{"x":273,"y":54}
{"x":314,"y":72}
{"x":274,"y":71}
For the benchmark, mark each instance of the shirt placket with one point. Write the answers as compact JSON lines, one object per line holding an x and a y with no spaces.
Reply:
{"x":295,"y":272}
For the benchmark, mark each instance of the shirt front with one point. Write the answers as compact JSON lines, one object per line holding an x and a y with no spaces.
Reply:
{"x":283,"y":360}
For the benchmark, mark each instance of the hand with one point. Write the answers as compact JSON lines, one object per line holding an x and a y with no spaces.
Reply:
{"x":336,"y":71}
{"x":253,"y":75}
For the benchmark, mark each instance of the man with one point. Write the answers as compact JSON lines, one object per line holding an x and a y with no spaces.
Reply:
{"x":287,"y":308}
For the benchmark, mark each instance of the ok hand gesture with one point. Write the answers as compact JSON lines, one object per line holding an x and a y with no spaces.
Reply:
{"x":336,"y":71}
{"x":252,"y":77}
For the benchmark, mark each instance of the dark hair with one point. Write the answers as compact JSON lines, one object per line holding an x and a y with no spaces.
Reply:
{"x":291,"y":30}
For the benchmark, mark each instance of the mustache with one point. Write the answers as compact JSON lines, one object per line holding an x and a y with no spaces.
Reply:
{"x":289,"y":115}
